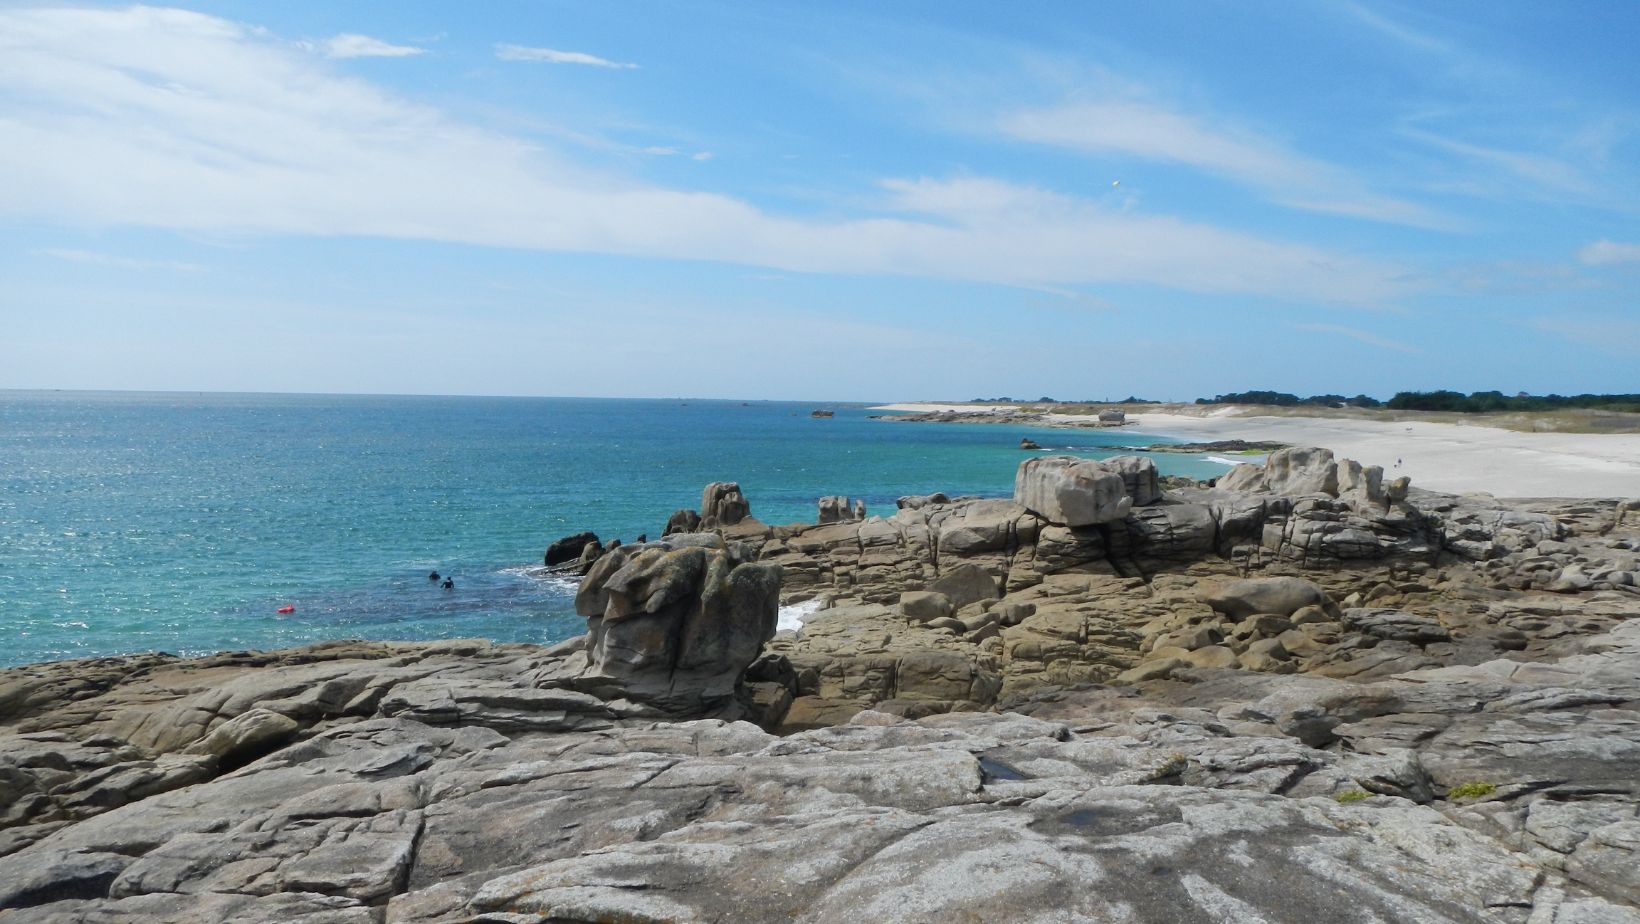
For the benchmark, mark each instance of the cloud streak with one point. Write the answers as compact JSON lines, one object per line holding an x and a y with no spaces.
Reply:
{"x":1608,"y":253}
{"x":1155,"y":133}
{"x":118,"y":262}
{"x":1361,"y":336}
{"x":554,"y":56}
{"x":233,"y":132}
{"x":351,"y":45}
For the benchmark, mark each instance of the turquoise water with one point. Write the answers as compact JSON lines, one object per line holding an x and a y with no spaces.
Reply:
{"x":182,"y":522}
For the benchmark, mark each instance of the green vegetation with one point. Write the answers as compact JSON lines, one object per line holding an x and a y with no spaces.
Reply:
{"x":1472,"y":790}
{"x":1350,"y":797}
{"x":1283,"y":399}
{"x":1082,"y":402}
{"x":1482,"y":402}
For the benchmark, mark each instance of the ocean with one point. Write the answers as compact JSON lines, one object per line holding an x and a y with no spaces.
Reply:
{"x":183,"y":522}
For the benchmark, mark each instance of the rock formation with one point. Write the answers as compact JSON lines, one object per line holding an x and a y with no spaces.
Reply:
{"x":839,"y":509}
{"x":569,"y":549}
{"x":722,"y":504}
{"x":675,"y":623}
{"x":1068,"y":491}
{"x":1301,"y":695}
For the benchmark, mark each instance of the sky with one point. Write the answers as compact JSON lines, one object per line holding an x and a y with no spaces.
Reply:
{"x":845,"y":201}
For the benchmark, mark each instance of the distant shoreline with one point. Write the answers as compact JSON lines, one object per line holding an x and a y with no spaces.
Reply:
{"x":1459,"y":456}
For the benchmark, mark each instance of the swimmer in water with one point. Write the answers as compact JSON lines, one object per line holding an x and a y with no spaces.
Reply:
{"x":433,"y":577}
{"x":448,"y":584}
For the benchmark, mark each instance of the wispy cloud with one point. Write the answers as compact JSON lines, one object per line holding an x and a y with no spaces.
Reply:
{"x":554,"y":56}
{"x":262,"y":140}
{"x":119,"y":262}
{"x":662,"y":150}
{"x":1362,"y":336}
{"x":1606,"y":253}
{"x":1618,"y":336}
{"x":1151,"y":132}
{"x":1547,"y":173}
{"x":352,"y":45}
{"x":1398,"y":31}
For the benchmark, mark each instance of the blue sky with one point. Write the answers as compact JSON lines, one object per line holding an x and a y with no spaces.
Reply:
{"x":839,"y":200}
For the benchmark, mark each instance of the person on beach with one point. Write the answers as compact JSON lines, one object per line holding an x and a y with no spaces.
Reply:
{"x":448,"y":584}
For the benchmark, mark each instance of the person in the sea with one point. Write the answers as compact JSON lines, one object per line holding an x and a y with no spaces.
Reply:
{"x":448,"y":584}
{"x":433,"y":577}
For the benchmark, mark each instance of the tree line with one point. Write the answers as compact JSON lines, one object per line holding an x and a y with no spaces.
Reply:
{"x":1479,"y":402}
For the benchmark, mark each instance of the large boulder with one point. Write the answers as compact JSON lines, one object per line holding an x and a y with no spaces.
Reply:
{"x":1071,"y":491}
{"x":966,"y":584}
{"x":722,"y":504}
{"x":1295,"y":471}
{"x":1138,"y":477}
{"x":1282,"y":596}
{"x":676,"y":627}
{"x":568,"y":549}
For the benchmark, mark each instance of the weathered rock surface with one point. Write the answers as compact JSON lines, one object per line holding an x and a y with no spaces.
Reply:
{"x":838,"y":509}
{"x":1068,"y":491}
{"x":1493,"y":793}
{"x":675,"y":623}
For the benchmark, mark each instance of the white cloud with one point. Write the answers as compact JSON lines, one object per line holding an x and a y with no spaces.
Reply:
{"x":1361,"y":336}
{"x":1605,"y":253}
{"x":554,"y":56}
{"x":351,"y":45}
{"x":178,"y":120}
{"x":118,"y":262}
{"x":1154,"y":133}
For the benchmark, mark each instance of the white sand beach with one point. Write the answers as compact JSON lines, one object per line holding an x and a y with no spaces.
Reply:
{"x":1440,"y":456}
{"x":1455,"y":457}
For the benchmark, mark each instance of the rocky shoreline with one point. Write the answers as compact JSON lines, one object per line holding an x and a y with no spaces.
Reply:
{"x":1302,"y":693}
{"x":1109,"y":418}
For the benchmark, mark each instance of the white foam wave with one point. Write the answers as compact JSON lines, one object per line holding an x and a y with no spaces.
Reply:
{"x":792,"y":617}
{"x":537,"y":573}
{"x":1223,"y":461}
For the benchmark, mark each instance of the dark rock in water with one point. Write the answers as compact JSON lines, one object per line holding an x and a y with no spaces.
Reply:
{"x":1028,"y":443}
{"x":822,"y":413}
{"x":568,"y":548}
{"x":681,"y":521}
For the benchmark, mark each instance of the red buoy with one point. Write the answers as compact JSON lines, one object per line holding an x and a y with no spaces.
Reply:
{"x":287,"y":608}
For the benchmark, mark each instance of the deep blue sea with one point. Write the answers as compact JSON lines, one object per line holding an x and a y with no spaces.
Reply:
{"x":182,"y":522}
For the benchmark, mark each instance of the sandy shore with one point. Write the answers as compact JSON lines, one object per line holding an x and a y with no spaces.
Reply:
{"x":1439,"y":456}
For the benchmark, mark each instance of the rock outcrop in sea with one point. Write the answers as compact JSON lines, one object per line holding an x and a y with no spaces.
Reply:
{"x":1301,"y":694}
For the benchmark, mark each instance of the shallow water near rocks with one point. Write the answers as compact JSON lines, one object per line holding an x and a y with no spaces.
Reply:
{"x":182,"y":522}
